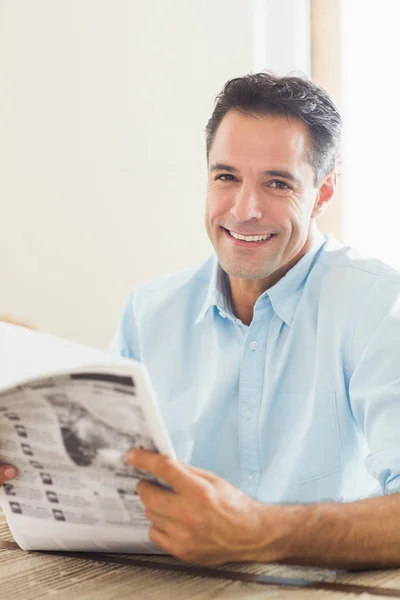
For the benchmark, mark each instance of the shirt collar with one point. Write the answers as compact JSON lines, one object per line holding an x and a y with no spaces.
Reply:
{"x":283,"y":295}
{"x":218,"y":293}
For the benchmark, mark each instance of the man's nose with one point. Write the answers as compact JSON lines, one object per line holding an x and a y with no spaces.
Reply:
{"x":247,"y":205}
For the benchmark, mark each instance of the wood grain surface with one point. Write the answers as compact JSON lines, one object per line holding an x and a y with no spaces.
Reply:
{"x":90,"y":576}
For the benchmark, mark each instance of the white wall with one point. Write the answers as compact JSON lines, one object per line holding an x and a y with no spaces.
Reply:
{"x":282,"y":36}
{"x":371,"y":90}
{"x":103,"y":105}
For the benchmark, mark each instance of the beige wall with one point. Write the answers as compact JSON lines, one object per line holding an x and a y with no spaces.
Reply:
{"x":103,"y":105}
{"x":325,"y":71}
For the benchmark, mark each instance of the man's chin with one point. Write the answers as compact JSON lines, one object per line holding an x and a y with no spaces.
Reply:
{"x":245,"y":270}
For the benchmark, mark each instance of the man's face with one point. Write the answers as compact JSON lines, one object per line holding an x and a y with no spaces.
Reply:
{"x":260,"y":184}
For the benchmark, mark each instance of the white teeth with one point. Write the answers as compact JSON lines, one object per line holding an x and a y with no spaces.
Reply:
{"x":250,"y":238}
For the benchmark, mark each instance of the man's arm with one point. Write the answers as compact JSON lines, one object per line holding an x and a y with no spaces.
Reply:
{"x":361,"y":534}
{"x":208,"y":521}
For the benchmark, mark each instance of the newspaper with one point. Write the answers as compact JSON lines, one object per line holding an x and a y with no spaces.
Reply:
{"x":68,"y":414}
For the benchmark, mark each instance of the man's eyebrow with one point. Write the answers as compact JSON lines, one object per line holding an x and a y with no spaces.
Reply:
{"x":223,"y":167}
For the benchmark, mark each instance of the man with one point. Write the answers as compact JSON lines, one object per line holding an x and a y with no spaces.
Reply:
{"x":276,"y":364}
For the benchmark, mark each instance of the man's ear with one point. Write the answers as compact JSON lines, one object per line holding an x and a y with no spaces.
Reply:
{"x":325,"y":193}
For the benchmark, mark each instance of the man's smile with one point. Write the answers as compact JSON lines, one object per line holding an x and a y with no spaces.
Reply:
{"x":248,"y":241}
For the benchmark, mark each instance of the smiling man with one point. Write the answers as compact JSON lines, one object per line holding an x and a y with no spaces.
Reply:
{"x":276,"y":363}
{"x":262,"y":201}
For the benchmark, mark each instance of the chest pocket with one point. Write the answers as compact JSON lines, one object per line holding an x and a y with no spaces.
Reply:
{"x":309,"y":435}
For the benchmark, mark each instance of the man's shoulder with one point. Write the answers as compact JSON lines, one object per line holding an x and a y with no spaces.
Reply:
{"x":351,"y":274}
{"x":340,"y":256}
{"x":176,"y":288}
{"x":177,"y":280}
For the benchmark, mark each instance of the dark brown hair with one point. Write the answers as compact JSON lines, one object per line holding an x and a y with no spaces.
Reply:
{"x":267,"y":94}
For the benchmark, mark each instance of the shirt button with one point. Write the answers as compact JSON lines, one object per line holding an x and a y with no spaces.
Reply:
{"x":254,"y":345}
{"x":248,"y":414}
{"x":250,"y":476}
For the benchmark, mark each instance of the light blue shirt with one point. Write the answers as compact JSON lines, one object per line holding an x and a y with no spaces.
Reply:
{"x":303,"y":405}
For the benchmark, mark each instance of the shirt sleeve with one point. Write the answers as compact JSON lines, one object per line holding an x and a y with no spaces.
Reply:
{"x":375,"y":382}
{"x":126,"y":339}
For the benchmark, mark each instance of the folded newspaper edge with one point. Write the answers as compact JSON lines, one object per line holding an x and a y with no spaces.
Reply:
{"x":67,"y":429}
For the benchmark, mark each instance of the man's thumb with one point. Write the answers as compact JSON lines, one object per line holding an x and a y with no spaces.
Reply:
{"x":7,"y":472}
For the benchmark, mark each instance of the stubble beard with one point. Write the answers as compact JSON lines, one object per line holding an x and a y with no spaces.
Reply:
{"x":245,"y":269}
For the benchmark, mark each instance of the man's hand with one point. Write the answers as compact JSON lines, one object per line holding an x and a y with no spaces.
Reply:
{"x":7,"y":472}
{"x":208,"y":521}
{"x":205,"y":519}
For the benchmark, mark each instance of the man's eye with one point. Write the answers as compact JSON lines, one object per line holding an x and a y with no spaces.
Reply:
{"x":225,"y":177}
{"x":279,"y":185}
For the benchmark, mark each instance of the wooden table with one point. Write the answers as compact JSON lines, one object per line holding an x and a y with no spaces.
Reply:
{"x":36,"y":575}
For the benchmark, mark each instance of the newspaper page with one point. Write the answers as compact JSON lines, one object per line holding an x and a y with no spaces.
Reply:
{"x":67,"y":433}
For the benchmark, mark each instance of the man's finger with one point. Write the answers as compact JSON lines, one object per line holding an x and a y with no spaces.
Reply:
{"x":209,"y":475}
{"x":176,"y":474}
{"x":161,"y":522}
{"x":160,"y":501}
{"x":7,"y":472}
{"x":163,"y":540}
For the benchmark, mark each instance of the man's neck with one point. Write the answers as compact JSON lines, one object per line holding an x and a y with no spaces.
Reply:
{"x":245,"y":292}
{"x":244,"y":308}
{"x":244,"y":295}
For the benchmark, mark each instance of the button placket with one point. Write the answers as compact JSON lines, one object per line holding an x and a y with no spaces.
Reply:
{"x":250,"y":391}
